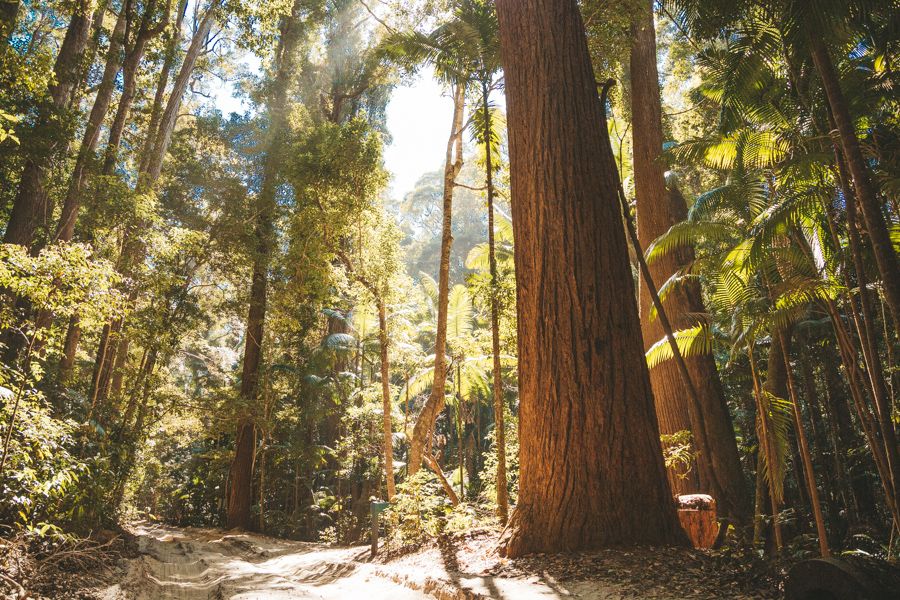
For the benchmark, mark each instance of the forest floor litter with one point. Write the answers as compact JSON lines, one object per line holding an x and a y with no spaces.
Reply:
{"x":154,"y":562}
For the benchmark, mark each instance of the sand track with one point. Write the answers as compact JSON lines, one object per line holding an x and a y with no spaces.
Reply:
{"x":204,"y":564}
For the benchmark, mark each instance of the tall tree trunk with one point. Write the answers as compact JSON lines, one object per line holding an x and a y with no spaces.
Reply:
{"x":66,"y":227}
{"x":499,"y":416}
{"x":719,"y":470}
{"x":435,"y":404}
{"x":865,"y":327}
{"x":460,"y":433}
{"x":818,"y":437}
{"x":885,"y":257}
{"x":132,"y":247}
{"x":388,"y":428}
{"x":171,"y":50}
{"x":240,"y":490}
{"x":583,"y":379}
{"x":857,"y":386}
{"x":173,"y":107}
{"x":130,"y":69}
{"x":860,"y":499}
{"x":31,"y":208}
{"x":805,"y":456}
{"x":766,"y":450}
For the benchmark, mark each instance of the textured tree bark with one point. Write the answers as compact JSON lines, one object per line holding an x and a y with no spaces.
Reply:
{"x":885,"y":257}
{"x":31,"y":208}
{"x":240,"y":490}
{"x":499,"y":416}
{"x":435,"y":404}
{"x":592,"y":473}
{"x":70,"y":347}
{"x":719,"y":470}
{"x":388,"y":428}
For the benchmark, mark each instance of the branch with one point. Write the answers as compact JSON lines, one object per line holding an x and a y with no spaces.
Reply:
{"x":365,"y":282}
{"x":380,"y":21}
{"x":434,"y":466}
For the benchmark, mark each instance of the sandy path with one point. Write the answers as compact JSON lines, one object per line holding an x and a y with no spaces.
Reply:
{"x":203,"y":564}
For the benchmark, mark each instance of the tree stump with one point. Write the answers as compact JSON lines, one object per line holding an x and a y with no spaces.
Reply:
{"x":854,"y":578}
{"x":697,"y":514}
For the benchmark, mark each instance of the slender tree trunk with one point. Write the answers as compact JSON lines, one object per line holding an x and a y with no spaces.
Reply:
{"x":885,"y":257}
{"x":719,"y":470}
{"x":766,"y":450}
{"x":386,"y":401}
{"x":460,"y":434}
{"x":70,"y":347}
{"x":262,"y":485}
{"x":130,"y":70}
{"x":499,"y":416}
{"x":435,"y":404}
{"x":818,"y":437}
{"x":865,"y":326}
{"x":849,"y":355}
{"x":805,"y":456}
{"x":583,"y":379}
{"x":436,"y":468}
{"x":32,"y":207}
{"x":171,"y":49}
{"x":860,"y":496}
{"x":239,"y":497}
{"x":170,"y":115}
{"x":66,"y":228}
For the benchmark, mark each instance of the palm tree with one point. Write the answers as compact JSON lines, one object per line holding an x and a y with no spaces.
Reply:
{"x":456,"y":60}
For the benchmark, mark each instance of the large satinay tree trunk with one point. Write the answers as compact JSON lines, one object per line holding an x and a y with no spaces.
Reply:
{"x":591,"y":466}
{"x":718,"y":469}
{"x":435,"y":404}
{"x":240,"y":497}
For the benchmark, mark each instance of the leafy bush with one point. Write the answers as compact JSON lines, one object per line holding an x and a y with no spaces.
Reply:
{"x":42,"y":469}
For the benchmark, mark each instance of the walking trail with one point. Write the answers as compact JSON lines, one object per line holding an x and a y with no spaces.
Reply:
{"x":207,"y":564}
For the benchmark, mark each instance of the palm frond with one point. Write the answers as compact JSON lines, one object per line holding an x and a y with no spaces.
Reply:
{"x":695,"y":341}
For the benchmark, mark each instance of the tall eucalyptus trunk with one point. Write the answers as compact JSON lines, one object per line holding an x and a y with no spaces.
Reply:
{"x":239,"y":500}
{"x":65,"y":230}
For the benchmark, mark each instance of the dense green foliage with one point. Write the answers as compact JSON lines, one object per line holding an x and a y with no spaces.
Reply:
{"x":122,"y":358}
